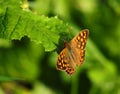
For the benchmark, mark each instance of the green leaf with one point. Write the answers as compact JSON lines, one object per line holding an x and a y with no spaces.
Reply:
{"x":16,"y":23}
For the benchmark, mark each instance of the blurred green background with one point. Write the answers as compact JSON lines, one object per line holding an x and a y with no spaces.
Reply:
{"x":31,"y":70}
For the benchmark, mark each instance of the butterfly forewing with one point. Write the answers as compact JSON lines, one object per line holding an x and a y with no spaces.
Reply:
{"x":73,"y":54}
{"x":63,"y":62}
{"x":78,"y":44}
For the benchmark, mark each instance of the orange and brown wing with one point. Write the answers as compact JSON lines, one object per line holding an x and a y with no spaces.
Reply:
{"x":63,"y":62}
{"x":79,"y":43}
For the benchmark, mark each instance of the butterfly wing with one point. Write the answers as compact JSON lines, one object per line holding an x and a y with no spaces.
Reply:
{"x":78,"y":44}
{"x":63,"y":62}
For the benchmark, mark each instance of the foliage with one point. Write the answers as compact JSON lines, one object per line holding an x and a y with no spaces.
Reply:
{"x":31,"y":35}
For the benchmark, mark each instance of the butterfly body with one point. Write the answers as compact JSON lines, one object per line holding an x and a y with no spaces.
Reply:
{"x":73,"y":53}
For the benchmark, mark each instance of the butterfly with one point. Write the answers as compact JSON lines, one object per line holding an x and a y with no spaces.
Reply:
{"x":73,"y":54}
